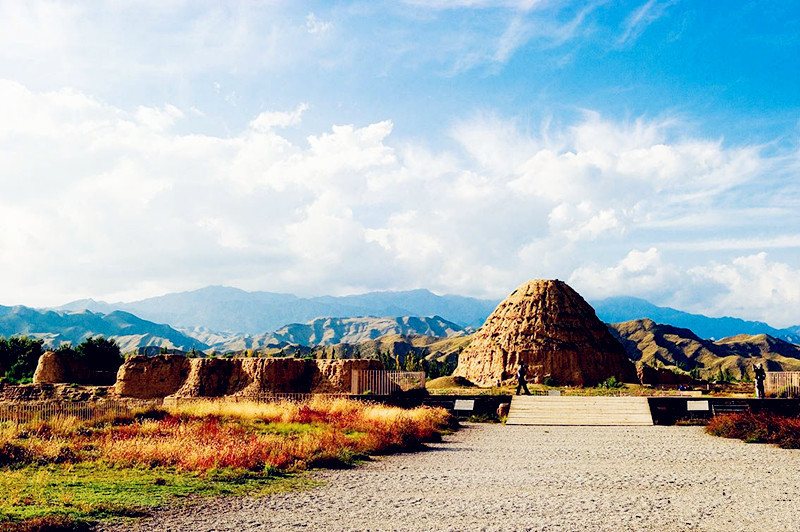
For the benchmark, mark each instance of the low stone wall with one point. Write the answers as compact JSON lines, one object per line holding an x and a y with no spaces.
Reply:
{"x":175,"y":375}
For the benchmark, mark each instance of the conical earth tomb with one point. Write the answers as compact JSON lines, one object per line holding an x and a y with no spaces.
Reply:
{"x":554,"y":331}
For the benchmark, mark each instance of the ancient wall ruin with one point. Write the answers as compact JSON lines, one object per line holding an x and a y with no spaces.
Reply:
{"x":175,"y":375}
{"x":54,"y":367}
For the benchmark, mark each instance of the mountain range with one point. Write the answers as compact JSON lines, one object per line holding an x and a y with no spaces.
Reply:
{"x":331,"y":331}
{"x":233,"y":311}
{"x":619,"y":309}
{"x":226,"y":319}
{"x":658,"y":345}
{"x":58,"y":327}
{"x":225,"y":309}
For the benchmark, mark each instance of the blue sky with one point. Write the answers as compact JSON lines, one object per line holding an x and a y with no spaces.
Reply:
{"x":645,"y":148}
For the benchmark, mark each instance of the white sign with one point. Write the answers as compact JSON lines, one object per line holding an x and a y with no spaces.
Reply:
{"x":697,"y":405}
{"x":464,"y":404}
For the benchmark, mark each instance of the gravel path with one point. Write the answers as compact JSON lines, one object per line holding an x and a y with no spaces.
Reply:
{"x":509,"y":478}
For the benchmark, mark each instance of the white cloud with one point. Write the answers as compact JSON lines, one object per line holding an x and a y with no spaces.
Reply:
{"x":315,"y":25}
{"x":640,"y":272}
{"x":752,"y":287}
{"x":158,"y":119}
{"x":582,"y":221}
{"x":107,"y":203}
{"x":638,"y":21}
{"x":271,"y":119}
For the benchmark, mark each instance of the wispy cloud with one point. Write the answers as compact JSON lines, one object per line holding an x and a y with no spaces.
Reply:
{"x":521,"y":5}
{"x":638,"y":21}
{"x":542,"y":26}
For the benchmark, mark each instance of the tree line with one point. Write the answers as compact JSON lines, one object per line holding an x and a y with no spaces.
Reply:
{"x":19,"y":356}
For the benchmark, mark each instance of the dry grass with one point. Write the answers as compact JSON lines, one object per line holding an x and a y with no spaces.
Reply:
{"x":763,"y":427}
{"x":204,"y":440}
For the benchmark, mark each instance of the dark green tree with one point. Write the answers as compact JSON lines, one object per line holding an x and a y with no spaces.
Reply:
{"x":100,"y":354}
{"x":19,"y":356}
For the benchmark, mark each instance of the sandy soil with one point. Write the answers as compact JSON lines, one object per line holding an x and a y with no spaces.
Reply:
{"x":508,"y":478}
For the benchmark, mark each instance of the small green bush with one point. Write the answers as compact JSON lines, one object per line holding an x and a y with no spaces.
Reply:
{"x":610,"y":383}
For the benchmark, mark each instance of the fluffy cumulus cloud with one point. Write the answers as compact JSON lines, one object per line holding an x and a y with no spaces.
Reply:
{"x":752,"y":287}
{"x":641,"y":272}
{"x":106,"y":202}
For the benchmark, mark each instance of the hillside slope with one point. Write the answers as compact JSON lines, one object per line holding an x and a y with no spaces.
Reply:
{"x":664,"y":345}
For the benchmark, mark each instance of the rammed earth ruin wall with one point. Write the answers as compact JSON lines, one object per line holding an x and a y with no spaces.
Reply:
{"x":175,"y":375}
{"x":54,"y":367}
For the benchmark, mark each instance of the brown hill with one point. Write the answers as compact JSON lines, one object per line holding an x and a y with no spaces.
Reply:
{"x":647,"y":342}
{"x":551,"y":328}
{"x":393,"y":346}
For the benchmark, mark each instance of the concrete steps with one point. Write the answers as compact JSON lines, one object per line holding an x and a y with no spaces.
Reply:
{"x":569,"y":410}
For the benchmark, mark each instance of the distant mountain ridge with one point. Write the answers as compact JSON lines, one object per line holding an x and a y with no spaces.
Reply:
{"x":220,"y":313}
{"x":331,"y":331}
{"x":58,"y":327}
{"x":231,"y":310}
{"x":132,"y":333}
{"x":225,"y":309}
{"x":657,"y":344}
{"x":621,"y":309}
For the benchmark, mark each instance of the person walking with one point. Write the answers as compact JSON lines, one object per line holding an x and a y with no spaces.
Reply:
{"x":522,"y":373}
{"x":761,"y":376}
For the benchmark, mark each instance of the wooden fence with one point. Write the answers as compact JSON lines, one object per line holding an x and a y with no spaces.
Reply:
{"x":86,"y":410}
{"x":381,"y":382}
{"x":255,"y":398}
{"x":782,"y":384}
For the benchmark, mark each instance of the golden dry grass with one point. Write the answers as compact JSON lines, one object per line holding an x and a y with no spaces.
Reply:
{"x":190,"y":444}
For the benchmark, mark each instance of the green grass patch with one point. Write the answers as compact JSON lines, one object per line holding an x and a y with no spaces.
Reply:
{"x":288,"y":428}
{"x":91,"y":491}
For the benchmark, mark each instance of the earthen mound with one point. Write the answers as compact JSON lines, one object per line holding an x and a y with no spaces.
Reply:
{"x":554,"y":331}
{"x":448,"y":382}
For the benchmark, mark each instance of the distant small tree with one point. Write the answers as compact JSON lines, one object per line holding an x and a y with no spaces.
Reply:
{"x":66,"y":349}
{"x":100,"y":354}
{"x":412,"y":363}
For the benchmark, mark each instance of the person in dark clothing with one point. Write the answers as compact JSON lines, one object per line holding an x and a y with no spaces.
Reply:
{"x":522,"y":373}
{"x":760,"y":376}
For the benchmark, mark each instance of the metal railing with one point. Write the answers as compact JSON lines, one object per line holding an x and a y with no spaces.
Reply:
{"x":381,"y":382}
{"x":782,"y":384}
